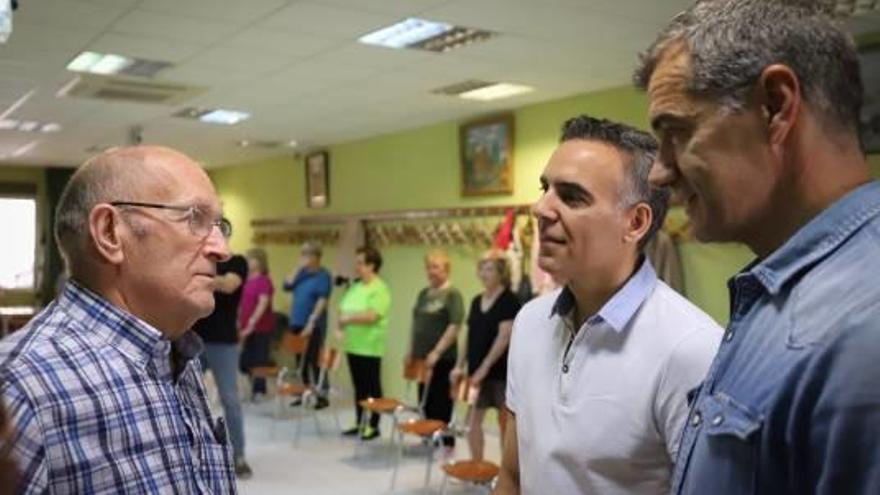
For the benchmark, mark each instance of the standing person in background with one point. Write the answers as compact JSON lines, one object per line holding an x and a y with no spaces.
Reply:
{"x":310,"y":284}
{"x":437,"y":318}
{"x":363,"y":329}
{"x":490,"y":322}
{"x":220,"y":335}
{"x":256,"y":321}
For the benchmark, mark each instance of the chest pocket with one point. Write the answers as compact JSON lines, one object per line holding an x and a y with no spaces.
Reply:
{"x":732,"y":431}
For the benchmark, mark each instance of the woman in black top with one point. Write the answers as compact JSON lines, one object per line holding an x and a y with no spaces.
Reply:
{"x":490,"y":322}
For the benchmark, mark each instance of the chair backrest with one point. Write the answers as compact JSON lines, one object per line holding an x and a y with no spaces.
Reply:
{"x":293,"y":343}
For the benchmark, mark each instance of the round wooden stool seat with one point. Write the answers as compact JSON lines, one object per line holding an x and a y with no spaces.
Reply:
{"x":265,"y":371}
{"x":472,"y":471}
{"x":380,"y":405}
{"x":292,"y":389}
{"x":422,"y":427}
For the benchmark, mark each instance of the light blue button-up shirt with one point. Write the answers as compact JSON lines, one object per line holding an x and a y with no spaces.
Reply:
{"x":791,"y":404}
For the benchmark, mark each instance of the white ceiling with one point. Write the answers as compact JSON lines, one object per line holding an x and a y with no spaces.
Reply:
{"x":296,"y":67}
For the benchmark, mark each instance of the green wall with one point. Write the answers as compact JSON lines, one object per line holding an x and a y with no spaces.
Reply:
{"x":36,"y":176}
{"x":420,"y":169}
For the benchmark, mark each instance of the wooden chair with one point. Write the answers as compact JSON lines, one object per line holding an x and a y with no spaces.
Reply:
{"x":479,"y":473}
{"x":413,"y":371}
{"x":293,"y":345}
{"x":328,"y":363}
{"x":428,"y":430}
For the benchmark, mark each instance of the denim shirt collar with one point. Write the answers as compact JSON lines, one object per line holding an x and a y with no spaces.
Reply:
{"x":820,"y":237}
{"x":623,"y":305}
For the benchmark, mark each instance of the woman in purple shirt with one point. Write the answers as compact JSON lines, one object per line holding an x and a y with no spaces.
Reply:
{"x":256,"y":321}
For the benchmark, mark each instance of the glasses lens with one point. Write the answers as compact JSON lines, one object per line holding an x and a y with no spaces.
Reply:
{"x":225,"y":227}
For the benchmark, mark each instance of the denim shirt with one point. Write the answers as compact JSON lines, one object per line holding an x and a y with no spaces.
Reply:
{"x":791,"y":403}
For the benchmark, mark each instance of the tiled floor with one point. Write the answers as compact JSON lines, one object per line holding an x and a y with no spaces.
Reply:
{"x":326,"y":463}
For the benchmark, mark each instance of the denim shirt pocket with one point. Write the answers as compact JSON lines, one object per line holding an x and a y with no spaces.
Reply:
{"x":732,"y":432}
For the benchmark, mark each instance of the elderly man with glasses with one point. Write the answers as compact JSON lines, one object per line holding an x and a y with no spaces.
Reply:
{"x":103,"y":387}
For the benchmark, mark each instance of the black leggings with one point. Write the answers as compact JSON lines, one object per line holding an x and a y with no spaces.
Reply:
{"x":366,"y":378}
{"x":439,"y":403}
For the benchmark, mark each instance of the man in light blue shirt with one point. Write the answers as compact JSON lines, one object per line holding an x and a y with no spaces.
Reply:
{"x":756,"y":104}
{"x":598,"y":371}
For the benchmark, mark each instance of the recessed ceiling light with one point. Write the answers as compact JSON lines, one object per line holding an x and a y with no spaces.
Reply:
{"x":292,"y":144}
{"x":50,"y":127}
{"x":496,"y":91}
{"x":226,"y":117}
{"x":244,"y":143}
{"x":213,"y":115}
{"x":28,"y":126}
{"x":113,"y":64}
{"x":405,"y":33}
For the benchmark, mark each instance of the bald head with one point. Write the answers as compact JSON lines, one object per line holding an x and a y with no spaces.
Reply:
{"x":118,"y":174}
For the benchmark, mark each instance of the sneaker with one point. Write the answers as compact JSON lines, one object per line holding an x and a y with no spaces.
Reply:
{"x":370,"y":433}
{"x":242,"y":470}
{"x":351,"y":432}
{"x":296,"y":402}
{"x":321,"y":403}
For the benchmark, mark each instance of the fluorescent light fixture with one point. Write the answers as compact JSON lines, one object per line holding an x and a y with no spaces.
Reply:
{"x":110,"y":64}
{"x":292,"y":143}
{"x":405,"y":33}
{"x":50,"y":127}
{"x":5,"y":20}
{"x":225,"y":117}
{"x":8,"y":124}
{"x":496,"y":91}
{"x":28,"y":126}
{"x":100,"y":63}
{"x":23,"y":150}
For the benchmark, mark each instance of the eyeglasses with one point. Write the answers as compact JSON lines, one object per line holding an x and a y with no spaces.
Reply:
{"x":200,"y":224}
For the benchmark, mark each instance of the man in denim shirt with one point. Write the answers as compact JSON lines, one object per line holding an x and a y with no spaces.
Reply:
{"x":756,"y":104}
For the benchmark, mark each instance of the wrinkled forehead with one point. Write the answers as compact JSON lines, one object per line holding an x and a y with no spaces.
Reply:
{"x":668,"y":86}
{"x":177,"y":179}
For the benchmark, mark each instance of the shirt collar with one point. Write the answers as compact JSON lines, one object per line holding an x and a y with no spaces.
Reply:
{"x":122,"y":330}
{"x":820,"y":237}
{"x":623,"y":305}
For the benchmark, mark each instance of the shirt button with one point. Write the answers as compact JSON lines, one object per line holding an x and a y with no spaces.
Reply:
{"x":728,"y":336}
{"x":696,"y":419}
{"x":565,"y":368}
{"x":717,"y":420}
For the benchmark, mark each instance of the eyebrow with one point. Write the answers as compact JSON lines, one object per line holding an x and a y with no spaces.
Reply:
{"x":664,"y":121}
{"x":571,"y":188}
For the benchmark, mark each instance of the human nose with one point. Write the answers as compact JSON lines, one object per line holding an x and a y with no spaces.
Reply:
{"x":216,"y":245}
{"x":664,"y":172}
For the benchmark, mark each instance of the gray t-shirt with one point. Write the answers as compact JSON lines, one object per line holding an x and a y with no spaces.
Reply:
{"x":434,"y":311}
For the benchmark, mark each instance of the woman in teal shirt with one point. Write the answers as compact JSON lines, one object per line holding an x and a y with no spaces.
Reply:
{"x":363,"y":328}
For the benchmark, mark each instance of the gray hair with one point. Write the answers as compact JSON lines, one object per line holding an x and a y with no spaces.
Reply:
{"x":311,"y":248}
{"x":98,"y":180}
{"x":640,"y":148}
{"x":731,"y":42}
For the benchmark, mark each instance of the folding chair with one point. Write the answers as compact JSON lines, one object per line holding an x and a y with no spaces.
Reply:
{"x":328,"y":363}
{"x":293,"y":345}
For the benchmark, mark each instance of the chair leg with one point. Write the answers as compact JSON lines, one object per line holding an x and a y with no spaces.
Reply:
{"x":299,"y":422}
{"x":361,"y":426}
{"x":397,"y":459}
{"x":429,"y":464}
{"x":445,"y":483}
{"x":394,"y":425}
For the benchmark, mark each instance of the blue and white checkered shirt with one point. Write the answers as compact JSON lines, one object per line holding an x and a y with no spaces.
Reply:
{"x":97,"y":408}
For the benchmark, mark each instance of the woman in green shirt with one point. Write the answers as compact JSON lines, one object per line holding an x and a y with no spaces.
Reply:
{"x":363,"y":329}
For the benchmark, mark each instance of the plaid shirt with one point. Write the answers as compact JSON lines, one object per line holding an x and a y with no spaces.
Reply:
{"x":97,"y":408}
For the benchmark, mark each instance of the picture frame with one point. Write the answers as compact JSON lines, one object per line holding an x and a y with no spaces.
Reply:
{"x":317,"y":169}
{"x":486,"y":153}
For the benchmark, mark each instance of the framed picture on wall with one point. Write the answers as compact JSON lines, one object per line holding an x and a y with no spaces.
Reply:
{"x":317,"y":179}
{"x":486,"y":148}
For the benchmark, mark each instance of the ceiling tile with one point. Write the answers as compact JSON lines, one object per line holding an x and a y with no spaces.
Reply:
{"x":403,"y":8}
{"x":279,"y":42}
{"x":60,"y":13}
{"x":234,"y":11}
{"x":173,"y":27}
{"x":148,"y":47}
{"x":327,"y":20}
{"x":235,"y":60}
